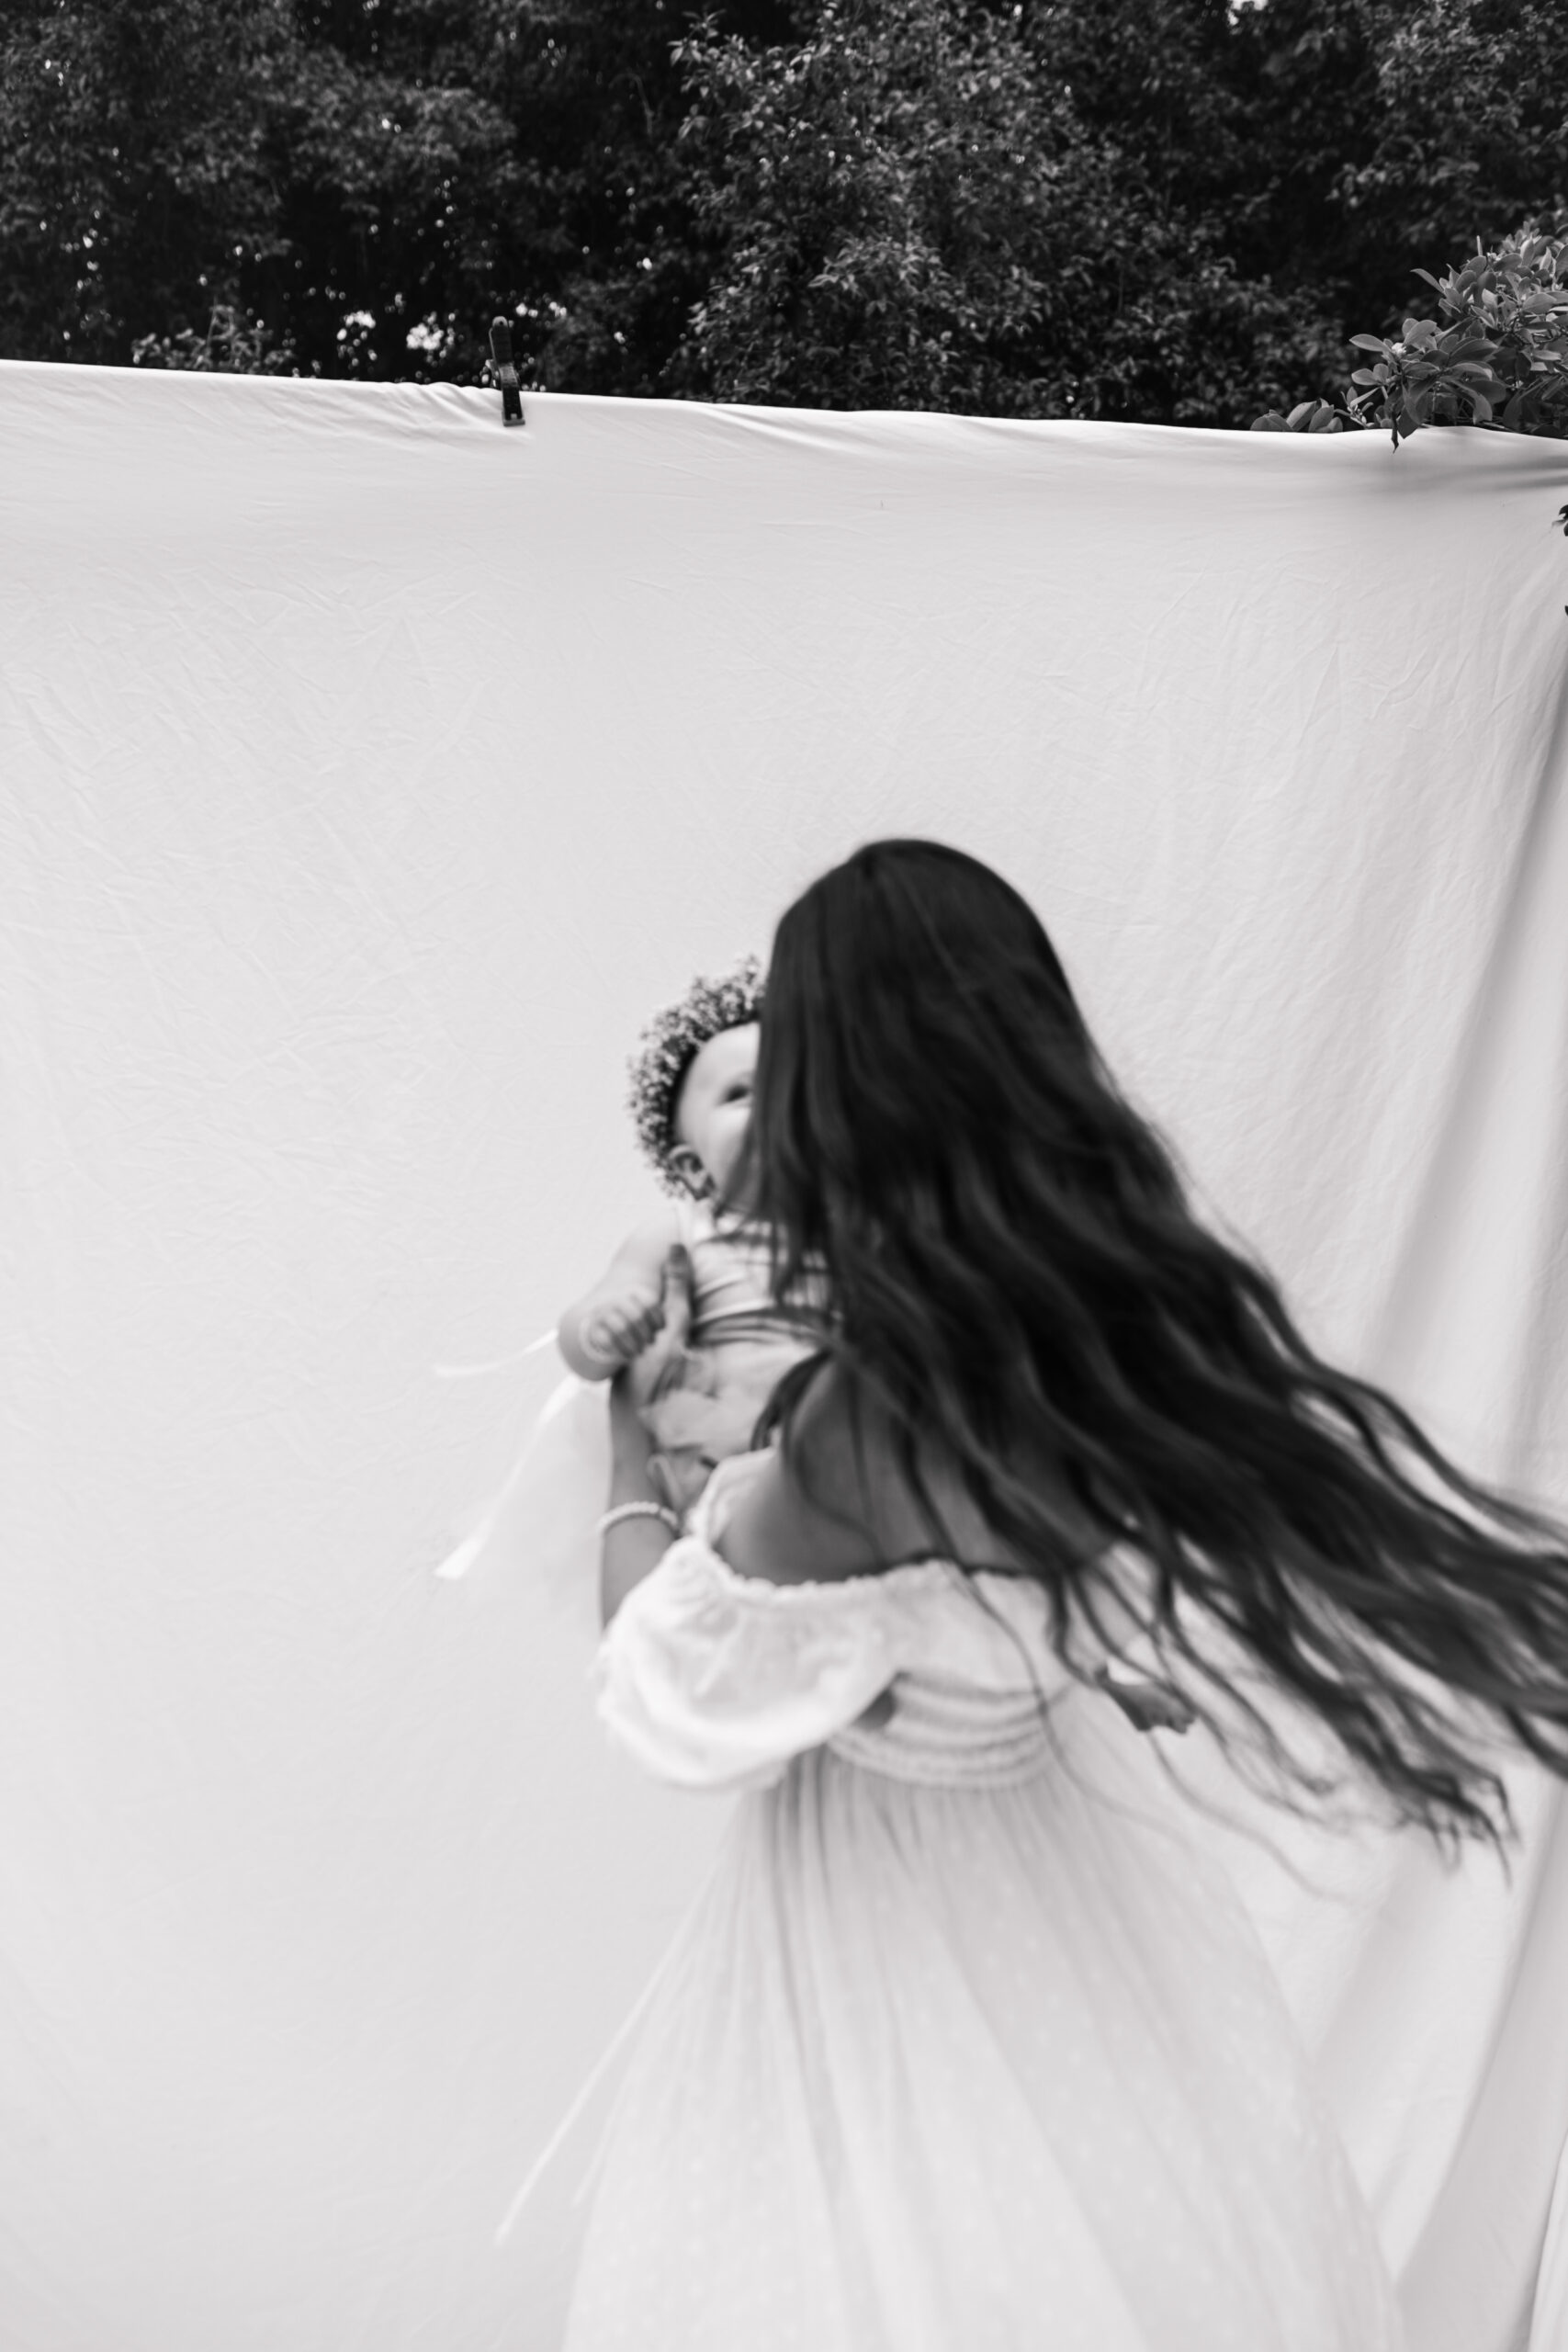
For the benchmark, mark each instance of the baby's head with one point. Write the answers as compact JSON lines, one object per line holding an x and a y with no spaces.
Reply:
{"x":691,"y":1080}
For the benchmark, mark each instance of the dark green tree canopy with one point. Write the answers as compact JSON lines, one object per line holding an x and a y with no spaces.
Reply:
{"x":1172,"y":210}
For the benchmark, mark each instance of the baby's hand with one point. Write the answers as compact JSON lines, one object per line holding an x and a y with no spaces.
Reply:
{"x":622,"y":1324}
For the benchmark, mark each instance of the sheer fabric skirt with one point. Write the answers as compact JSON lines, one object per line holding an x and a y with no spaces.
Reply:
{"x":998,"y":2068}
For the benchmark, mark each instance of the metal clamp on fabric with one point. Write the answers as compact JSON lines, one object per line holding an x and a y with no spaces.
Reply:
{"x":503,"y":368}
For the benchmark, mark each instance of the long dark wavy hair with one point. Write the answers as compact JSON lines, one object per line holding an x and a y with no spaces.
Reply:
{"x":1014,"y":1267}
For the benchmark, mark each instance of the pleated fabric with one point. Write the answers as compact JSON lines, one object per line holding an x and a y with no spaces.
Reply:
{"x":948,"y":2056}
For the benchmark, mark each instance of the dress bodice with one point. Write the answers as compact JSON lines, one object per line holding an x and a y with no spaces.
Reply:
{"x":712,"y":1679}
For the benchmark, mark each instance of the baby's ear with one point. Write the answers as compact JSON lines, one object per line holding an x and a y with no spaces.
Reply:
{"x":685,"y":1164}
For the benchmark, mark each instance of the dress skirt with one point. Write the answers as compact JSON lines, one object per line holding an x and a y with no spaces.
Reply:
{"x":994,"y":2068}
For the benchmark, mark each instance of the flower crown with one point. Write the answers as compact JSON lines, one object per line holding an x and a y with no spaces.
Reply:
{"x":669,"y":1045}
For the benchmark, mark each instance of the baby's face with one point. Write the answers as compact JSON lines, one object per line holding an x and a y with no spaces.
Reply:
{"x":715,"y":1104}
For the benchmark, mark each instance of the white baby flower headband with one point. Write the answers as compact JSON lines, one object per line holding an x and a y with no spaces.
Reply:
{"x":670,"y":1044}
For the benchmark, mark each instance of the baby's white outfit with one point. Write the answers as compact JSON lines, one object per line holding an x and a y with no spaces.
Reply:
{"x":741,"y":1340}
{"x":545,"y":1519}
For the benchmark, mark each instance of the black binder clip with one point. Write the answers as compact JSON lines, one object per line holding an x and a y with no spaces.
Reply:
{"x":503,"y":369}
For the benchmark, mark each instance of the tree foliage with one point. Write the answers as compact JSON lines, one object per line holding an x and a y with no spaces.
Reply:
{"x":910,"y":208}
{"x":132,"y":165}
{"x":352,"y":187}
{"x":1502,"y":359}
{"x":1174,"y":209}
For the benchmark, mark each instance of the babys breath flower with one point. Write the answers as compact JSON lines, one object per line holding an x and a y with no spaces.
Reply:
{"x":670,"y":1043}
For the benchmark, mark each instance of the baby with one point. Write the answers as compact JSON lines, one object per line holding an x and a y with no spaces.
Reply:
{"x":691,"y":1094}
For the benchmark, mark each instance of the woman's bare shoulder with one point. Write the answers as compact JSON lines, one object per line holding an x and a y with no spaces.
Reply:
{"x":844,"y":1504}
{"x":840,"y":1503}
{"x":804,"y":1519}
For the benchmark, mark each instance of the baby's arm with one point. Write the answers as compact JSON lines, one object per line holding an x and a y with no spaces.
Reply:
{"x":624,"y":1311}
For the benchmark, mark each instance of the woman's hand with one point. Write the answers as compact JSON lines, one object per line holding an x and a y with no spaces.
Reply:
{"x":633,"y":1548}
{"x":1150,"y":1706}
{"x":680,"y":1473}
{"x":657,"y":1366}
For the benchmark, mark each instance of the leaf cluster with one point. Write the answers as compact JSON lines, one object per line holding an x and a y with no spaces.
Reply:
{"x":1501,"y":360}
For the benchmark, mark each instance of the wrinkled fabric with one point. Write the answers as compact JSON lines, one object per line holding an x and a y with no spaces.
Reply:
{"x":368,"y":774}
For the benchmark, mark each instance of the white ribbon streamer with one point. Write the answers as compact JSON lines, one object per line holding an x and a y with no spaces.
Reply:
{"x":502,"y":1363}
{"x":536,"y":2171}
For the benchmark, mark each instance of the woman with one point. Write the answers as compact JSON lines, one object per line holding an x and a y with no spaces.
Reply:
{"x":964,"y":2046}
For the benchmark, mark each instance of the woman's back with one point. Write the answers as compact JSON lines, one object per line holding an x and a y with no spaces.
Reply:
{"x":842,"y":1504}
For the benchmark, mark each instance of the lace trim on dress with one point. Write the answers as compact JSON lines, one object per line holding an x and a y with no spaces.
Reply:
{"x":904,"y":1576}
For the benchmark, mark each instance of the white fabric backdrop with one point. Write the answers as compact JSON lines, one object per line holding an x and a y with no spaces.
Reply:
{"x":369,"y":773}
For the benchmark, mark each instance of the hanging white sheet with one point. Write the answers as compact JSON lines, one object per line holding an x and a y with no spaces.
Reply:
{"x":368,"y":773}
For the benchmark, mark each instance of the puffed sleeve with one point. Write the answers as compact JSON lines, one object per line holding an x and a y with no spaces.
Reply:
{"x":713,"y":1681}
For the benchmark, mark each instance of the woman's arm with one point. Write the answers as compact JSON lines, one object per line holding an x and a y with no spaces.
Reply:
{"x":633,"y":1548}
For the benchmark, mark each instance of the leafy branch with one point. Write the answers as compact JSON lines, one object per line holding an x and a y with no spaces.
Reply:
{"x":1497,"y":356}
{"x":233,"y":344}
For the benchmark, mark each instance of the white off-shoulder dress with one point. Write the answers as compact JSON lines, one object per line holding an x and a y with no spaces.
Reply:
{"x":965,"y":2049}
